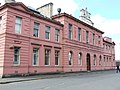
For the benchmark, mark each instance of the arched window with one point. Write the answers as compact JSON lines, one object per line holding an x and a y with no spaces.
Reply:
{"x":80,"y":58}
{"x":94,"y":60}
{"x":100,"y":59}
{"x":70,"y":58}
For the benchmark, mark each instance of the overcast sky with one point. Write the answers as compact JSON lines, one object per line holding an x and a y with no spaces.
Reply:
{"x":104,"y":14}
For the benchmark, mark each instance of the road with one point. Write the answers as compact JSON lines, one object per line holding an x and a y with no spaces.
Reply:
{"x":89,"y":81}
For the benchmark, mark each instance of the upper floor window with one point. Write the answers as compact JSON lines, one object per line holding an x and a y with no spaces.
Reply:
{"x":0,"y":22}
{"x":70,"y":58}
{"x":113,"y":58}
{"x":103,"y":45}
{"x":18,"y":25}
{"x":47,"y":56}
{"x":47,"y":32}
{"x":109,"y":47}
{"x":36,"y":29}
{"x":87,"y":36}
{"x":93,"y":37}
{"x":57,"y":35}
{"x":107,"y":59}
{"x":80,"y":58}
{"x":35,"y":56}
{"x":98,"y":40}
{"x":57,"y":57}
{"x":79,"y":34}
{"x":70,"y":31}
{"x":106,"y":47}
{"x":16,"y":55}
{"x":104,"y":59}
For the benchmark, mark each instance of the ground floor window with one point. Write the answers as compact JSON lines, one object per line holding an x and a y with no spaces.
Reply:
{"x":80,"y":58}
{"x":70,"y":58}
{"x":57,"y":57}
{"x":35,"y":56}
{"x":16,"y":55}
{"x":47,"y":56}
{"x":100,"y":59}
{"x":94,"y":60}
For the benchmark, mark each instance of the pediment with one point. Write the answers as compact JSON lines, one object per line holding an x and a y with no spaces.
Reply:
{"x":20,"y":6}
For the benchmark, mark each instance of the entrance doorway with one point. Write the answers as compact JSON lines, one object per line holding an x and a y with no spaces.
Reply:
{"x":88,"y":62}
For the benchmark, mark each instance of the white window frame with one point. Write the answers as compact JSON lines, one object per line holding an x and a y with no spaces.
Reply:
{"x":47,"y":56}
{"x":70,"y":55}
{"x":18,"y":56}
{"x":80,"y":58}
{"x":36,"y":54}
{"x":36,"y":29}
{"x":57,"y":35}
{"x":47,"y":31}
{"x":18,"y":24}
{"x":57,"y":55}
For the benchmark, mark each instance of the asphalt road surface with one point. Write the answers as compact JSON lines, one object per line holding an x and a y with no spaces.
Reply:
{"x":89,"y":81}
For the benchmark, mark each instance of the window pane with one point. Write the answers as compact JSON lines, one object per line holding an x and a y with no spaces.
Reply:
{"x":70,"y":31}
{"x":17,"y":28}
{"x":93,"y":38}
{"x":18,"y":20}
{"x":47,"y":56}
{"x":94,"y":59}
{"x":18,"y":25}
{"x":35,"y":56}
{"x":57,"y":35}
{"x":36,"y":29}
{"x":16,"y":55}
{"x":70,"y":58}
{"x":79,"y":32}
{"x":87,"y":37}
{"x":79,"y":58}
{"x":36,"y":25}
{"x":47,"y":33}
{"x":56,"y":57}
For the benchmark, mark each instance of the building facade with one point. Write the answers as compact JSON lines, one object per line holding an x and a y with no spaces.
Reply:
{"x":31,"y":43}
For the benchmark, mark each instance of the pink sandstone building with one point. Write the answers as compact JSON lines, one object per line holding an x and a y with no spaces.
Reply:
{"x":31,"y":43}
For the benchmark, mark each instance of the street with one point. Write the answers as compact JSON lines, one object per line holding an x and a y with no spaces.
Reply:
{"x":89,"y":81}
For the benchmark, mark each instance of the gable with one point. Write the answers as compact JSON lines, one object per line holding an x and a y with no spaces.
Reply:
{"x":18,"y":6}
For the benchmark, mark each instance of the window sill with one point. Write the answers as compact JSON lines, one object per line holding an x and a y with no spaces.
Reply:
{"x":16,"y":65}
{"x":46,"y":65}
{"x":35,"y":65}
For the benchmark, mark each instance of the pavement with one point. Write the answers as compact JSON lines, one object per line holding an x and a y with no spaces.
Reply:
{"x":46,"y":76}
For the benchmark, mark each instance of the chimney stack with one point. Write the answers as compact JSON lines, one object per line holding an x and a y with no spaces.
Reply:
{"x":9,"y":1}
{"x":46,"y":10}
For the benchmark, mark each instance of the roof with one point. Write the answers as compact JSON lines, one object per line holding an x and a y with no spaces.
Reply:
{"x":77,"y":20}
{"x":113,"y":43}
{"x":29,"y":11}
